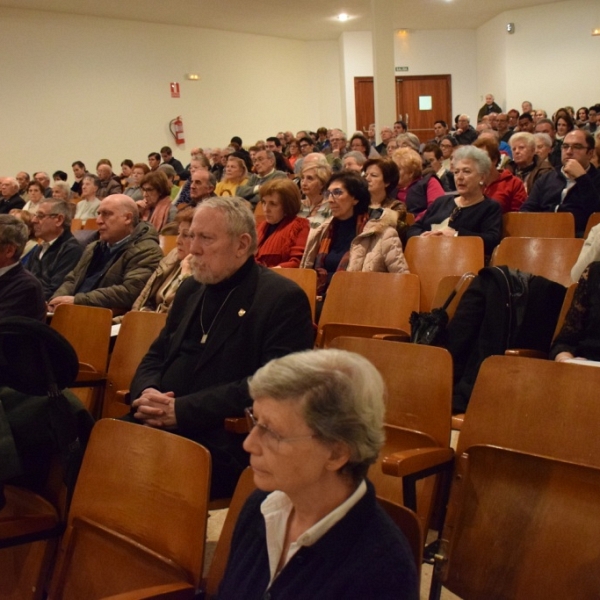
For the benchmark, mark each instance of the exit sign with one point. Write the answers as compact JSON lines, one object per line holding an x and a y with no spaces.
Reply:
{"x":401,"y":69}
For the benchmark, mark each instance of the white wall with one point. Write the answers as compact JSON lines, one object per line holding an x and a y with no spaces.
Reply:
{"x":551,"y":59}
{"x":492,"y":39}
{"x":85,"y":88}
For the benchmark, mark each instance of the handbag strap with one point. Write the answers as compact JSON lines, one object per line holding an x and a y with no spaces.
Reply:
{"x":466,"y":277}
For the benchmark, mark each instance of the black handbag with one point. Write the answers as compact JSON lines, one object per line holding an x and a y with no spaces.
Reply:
{"x":429,"y":328}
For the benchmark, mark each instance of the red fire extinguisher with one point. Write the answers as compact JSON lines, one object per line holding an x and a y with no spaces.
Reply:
{"x":176,"y":128}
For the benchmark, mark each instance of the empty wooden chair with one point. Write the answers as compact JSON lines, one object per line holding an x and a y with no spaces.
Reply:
{"x":167,"y":243}
{"x":138,"y":331}
{"x":307,"y":280}
{"x":552,"y":258}
{"x":418,"y":415}
{"x":380,"y":302}
{"x":593,"y":220}
{"x":85,"y":225}
{"x":521,"y":224}
{"x":523,"y":517}
{"x":138,"y":518}
{"x":433,"y":258}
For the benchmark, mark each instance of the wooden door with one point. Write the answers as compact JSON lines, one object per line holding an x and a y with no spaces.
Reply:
{"x":364,"y":103}
{"x":420,"y":101}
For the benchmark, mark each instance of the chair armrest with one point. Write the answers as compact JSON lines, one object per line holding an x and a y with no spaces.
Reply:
{"x":87,"y":376}
{"x":169,"y":591}
{"x":236,"y":425}
{"x":526,"y":352}
{"x":393,"y":337}
{"x":123,"y":396}
{"x":419,"y":462}
{"x":457,"y":421}
{"x":329,"y":331}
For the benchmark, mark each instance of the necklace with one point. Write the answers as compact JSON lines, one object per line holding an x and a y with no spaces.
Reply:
{"x":205,"y":333}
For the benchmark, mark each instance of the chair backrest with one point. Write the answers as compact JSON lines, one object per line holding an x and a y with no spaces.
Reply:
{"x":244,"y":488}
{"x":445,"y":287}
{"x":565,"y":308}
{"x":521,"y":224}
{"x":418,"y":408}
{"x":375,"y":299}
{"x":552,"y":258}
{"x":527,"y":483}
{"x":259,"y":213}
{"x":593,"y":220}
{"x":88,"y":330}
{"x":76,"y":224}
{"x":307,"y":280}
{"x":435,"y":257}
{"x":138,"y":516}
{"x":167,"y":243}
{"x":138,"y":331}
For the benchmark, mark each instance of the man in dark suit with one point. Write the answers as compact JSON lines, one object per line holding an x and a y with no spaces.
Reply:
{"x":228,"y":320}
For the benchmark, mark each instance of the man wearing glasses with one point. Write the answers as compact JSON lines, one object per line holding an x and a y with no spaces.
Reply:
{"x":59,"y":251}
{"x":264,"y":170}
{"x":574,"y":188}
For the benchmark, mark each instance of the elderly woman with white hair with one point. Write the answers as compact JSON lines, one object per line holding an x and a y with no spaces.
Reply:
{"x":470,"y":213}
{"x":314,"y":529}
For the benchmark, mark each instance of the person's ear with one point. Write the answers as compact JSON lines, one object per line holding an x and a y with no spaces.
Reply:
{"x":244,"y":242}
{"x":339,"y":456}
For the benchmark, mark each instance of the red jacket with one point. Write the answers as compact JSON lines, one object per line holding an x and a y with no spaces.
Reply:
{"x":285,"y":246}
{"x":508,"y":190}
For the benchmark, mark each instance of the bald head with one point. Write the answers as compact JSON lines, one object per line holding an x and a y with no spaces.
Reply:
{"x":117,"y":218}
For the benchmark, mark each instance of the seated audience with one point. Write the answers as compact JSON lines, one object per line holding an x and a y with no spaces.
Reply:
{"x":113,"y":270}
{"x":9,"y":195}
{"x":589,"y":253}
{"x":264,"y":170}
{"x":156,"y":207}
{"x":293,"y":153}
{"x":464,"y":134}
{"x":282,"y":235}
{"x":108,"y":182}
{"x":20,"y":292}
{"x":35,"y":193}
{"x":525,"y":164}
{"x":313,"y":206}
{"x":447,"y":146}
{"x":87,"y":207}
{"x":235,"y":174}
{"x":354,"y":161}
{"x":32,"y":242}
{"x":580,"y":334}
{"x":349,"y":240}
{"x":543,"y":146}
{"x":414,"y":189}
{"x":23,"y":179}
{"x":470,"y":213}
{"x":359,"y":143}
{"x":79,"y":171}
{"x":407,"y":140}
{"x":575,"y":188}
{"x":563,"y":122}
{"x":134,"y":190}
{"x":59,"y":251}
{"x":168,"y":159}
{"x":61,"y":191}
{"x":159,"y":292}
{"x":501,"y":186}
{"x":171,"y":174}
{"x":44,"y":180}
{"x":227,"y":321}
{"x":125,"y":176}
{"x":316,"y":427}
{"x":432,"y":157}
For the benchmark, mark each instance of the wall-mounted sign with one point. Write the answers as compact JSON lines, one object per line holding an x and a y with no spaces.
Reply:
{"x":425,"y":103}
{"x":401,"y":69}
{"x":174,"y":89}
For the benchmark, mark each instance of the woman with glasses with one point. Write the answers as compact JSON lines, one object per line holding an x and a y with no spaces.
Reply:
{"x":447,"y":146}
{"x":282,"y":235}
{"x":156,"y":206}
{"x":313,"y":529}
{"x":159,"y":292}
{"x":470,"y":213}
{"x":350,"y":240}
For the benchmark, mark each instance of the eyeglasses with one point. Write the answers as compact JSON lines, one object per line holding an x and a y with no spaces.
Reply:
{"x":304,"y":145}
{"x":336,"y":193}
{"x":147,"y":189}
{"x":269,"y":437}
{"x":574,"y":147}
{"x":41,"y":216}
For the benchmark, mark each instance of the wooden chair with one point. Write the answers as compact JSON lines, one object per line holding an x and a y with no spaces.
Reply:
{"x":594,"y":219}
{"x":520,"y":224}
{"x":374,"y":302}
{"x":307,"y":280}
{"x":87,"y":328}
{"x":137,"y":522}
{"x":445,"y":287}
{"x":218,"y":564}
{"x":259,"y":214}
{"x":417,"y":421}
{"x":523,"y":517}
{"x":167,"y":243}
{"x":552,"y":258}
{"x":84,"y":225}
{"x":433,"y":258}
{"x":138,"y":331}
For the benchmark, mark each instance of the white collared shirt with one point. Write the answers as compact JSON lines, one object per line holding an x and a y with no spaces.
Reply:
{"x":276,"y":509}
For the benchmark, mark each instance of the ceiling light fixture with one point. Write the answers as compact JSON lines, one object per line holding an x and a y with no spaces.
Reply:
{"x":192,"y":76}
{"x":343,"y":17}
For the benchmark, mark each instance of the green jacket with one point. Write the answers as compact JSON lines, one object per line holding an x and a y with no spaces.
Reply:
{"x":124,"y":279}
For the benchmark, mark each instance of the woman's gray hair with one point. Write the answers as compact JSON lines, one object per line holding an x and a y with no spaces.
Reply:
{"x":359,"y":157}
{"x":342,"y":398}
{"x":13,"y":232}
{"x":482,"y":161}
{"x":522,"y":136}
{"x":409,"y":138}
{"x":239,"y":217}
{"x":64,"y":186}
{"x":544,"y":138}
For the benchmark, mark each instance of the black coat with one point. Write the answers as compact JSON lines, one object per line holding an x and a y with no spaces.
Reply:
{"x":267,"y":316}
{"x":501,"y":309}
{"x":21,"y":295}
